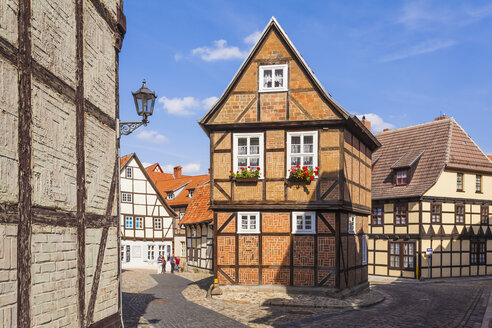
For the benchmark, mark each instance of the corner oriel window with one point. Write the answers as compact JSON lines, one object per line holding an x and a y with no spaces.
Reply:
{"x":248,"y":222}
{"x":248,"y":152}
{"x":304,"y":222}
{"x":273,"y":78}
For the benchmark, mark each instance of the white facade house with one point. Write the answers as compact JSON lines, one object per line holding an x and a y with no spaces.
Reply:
{"x":146,"y":219}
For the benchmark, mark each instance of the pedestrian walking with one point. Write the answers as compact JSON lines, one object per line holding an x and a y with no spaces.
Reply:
{"x":177,"y":260}
{"x":163,"y":264}
{"x":172,"y":263}
{"x":159,"y":261}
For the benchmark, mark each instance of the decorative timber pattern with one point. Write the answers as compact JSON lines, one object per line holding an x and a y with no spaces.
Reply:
{"x":58,"y":223}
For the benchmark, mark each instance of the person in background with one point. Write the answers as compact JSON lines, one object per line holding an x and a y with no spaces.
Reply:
{"x":172,"y":263}
{"x":159,"y":261}
{"x":177,"y":260}
{"x":163,"y":264}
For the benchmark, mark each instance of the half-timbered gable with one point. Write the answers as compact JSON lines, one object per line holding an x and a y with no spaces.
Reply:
{"x":273,"y":116}
{"x":146,"y":219}
{"x":431,"y":189}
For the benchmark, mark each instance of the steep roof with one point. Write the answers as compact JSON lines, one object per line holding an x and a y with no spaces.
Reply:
{"x":428,"y":148}
{"x":199,"y":208}
{"x":354,"y":122}
{"x":126,"y":159}
{"x":490,"y":157}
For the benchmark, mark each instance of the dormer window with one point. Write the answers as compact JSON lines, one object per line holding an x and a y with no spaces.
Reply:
{"x":273,"y":78}
{"x":170,"y":195}
{"x":190,"y":193}
{"x":401,"y":177}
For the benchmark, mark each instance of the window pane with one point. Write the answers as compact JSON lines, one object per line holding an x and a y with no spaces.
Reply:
{"x":308,"y":161}
{"x":307,"y":222}
{"x":308,"y":144}
{"x":410,"y":262}
{"x":299,"y":222}
{"x":254,"y":146}
{"x":295,"y":144}
{"x":242,"y":162}
{"x":267,"y":78}
{"x":254,"y":161}
{"x":295,"y":161}
{"x":252,"y":222}
{"x":397,"y":249}
{"x":244,"y":222}
{"x":279,"y":78}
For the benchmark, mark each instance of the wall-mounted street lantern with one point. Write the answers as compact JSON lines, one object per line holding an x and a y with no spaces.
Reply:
{"x":144,"y":104}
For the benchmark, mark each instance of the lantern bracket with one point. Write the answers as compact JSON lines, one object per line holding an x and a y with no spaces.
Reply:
{"x":125,"y":128}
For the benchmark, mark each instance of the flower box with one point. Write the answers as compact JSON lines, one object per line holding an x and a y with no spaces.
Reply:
{"x":245,"y":180}
{"x":293,"y":180}
{"x":302,"y":175}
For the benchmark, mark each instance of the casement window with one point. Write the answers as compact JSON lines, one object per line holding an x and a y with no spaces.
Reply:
{"x":273,"y":78}
{"x":157,"y":223}
{"x":129,"y":222}
{"x":459,"y":181}
{"x":160,"y":250}
{"x":129,"y":172}
{"x":478,"y":183}
{"x":248,"y":151}
{"x":170,"y":195}
{"x":190,"y":193}
{"x":138,"y":223}
{"x":304,"y":222}
{"x":478,"y":252}
{"x":484,"y":214}
{"x":352,"y":224}
{"x":401,"y":177}
{"x":459,"y":214}
{"x":302,"y":149}
{"x":183,"y":249}
{"x":150,"y":252}
{"x":364,"y":250}
{"x":402,"y":255}
{"x":436,"y":212}
{"x":377,"y":215}
{"x":126,"y":197}
{"x":401,"y":214}
{"x":248,"y":222}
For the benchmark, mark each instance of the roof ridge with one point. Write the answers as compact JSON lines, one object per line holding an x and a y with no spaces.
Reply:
{"x":415,"y":126}
{"x":448,"y":146}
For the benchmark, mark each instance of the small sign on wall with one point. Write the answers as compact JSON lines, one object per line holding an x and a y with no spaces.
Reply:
{"x":429,"y":252}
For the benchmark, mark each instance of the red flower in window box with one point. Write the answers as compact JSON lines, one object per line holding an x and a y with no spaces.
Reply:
{"x":246,"y":173}
{"x":298,"y":174}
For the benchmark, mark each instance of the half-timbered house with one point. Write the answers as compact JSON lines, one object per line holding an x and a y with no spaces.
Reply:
{"x":146,"y":219}
{"x":198,"y":221}
{"x":432,"y":189}
{"x":59,"y":163}
{"x":272,"y":229}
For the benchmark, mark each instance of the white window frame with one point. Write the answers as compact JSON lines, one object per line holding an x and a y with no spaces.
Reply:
{"x":285,"y":86}
{"x":128,"y":221}
{"x":352,"y":224}
{"x":170,"y":196}
{"x":142,"y":219}
{"x":235,"y":167}
{"x":364,"y":250}
{"x":160,"y":223}
{"x":302,"y":154}
{"x":153,"y":252}
{"x":126,"y":197}
{"x":248,"y":230}
{"x":303,"y":230}
{"x":129,"y":170}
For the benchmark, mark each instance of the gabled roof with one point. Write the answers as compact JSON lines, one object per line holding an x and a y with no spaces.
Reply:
{"x":428,"y":148}
{"x":338,"y":109}
{"x":126,"y":159}
{"x":490,"y":157}
{"x":198,"y":210}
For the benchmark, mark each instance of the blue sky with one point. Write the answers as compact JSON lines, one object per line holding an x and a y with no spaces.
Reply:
{"x":403,"y":62}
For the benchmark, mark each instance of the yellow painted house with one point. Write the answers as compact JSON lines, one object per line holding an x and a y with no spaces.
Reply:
{"x":431,"y":189}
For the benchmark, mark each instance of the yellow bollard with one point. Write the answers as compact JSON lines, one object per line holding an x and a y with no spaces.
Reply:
{"x":417,"y":272}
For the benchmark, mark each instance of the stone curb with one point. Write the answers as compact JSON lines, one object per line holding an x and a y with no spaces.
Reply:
{"x":428,"y":281}
{"x":378,"y":300}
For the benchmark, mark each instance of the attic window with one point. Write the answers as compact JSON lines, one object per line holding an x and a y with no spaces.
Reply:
{"x":273,"y":78}
{"x":170,"y":195}
{"x":190,"y":193}
{"x":401,"y":177}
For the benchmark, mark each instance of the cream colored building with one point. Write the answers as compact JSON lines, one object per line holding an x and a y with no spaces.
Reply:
{"x":432,"y":189}
{"x":146,"y":219}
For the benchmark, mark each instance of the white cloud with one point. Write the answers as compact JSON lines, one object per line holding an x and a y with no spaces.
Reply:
{"x":151,"y":136}
{"x":219,"y":51}
{"x":187,"y":168}
{"x":419,"y":14}
{"x":252,"y":38}
{"x":191,"y":168}
{"x":419,"y":49}
{"x":186,"y":105}
{"x":178,"y":56}
{"x":377,"y":123}
{"x":209,"y":102}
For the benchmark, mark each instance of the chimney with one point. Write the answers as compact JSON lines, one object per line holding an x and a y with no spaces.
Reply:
{"x":177,"y":172}
{"x":366,"y":123}
{"x":442,"y":117}
{"x":384,"y":130}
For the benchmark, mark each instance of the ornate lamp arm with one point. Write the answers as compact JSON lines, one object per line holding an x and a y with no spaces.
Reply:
{"x":128,"y":127}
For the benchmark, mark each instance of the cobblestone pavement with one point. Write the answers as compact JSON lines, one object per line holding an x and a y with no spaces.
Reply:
{"x":165,"y":306}
{"x":452,"y":303}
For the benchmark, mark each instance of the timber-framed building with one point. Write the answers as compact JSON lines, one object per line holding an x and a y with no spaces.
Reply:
{"x":272,"y":230}
{"x":431,"y":188}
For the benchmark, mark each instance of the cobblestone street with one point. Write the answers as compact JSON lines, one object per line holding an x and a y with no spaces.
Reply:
{"x":446,"y":303}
